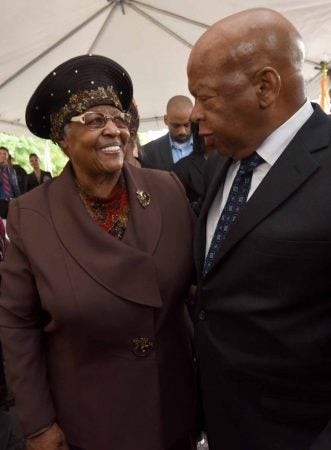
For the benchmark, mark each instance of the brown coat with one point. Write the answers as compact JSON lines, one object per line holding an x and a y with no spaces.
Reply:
{"x":76,"y":304}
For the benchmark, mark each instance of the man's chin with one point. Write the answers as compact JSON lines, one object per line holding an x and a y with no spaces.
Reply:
{"x":209,"y":140}
{"x":181,"y":140}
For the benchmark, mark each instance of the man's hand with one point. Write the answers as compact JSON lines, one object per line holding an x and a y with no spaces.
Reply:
{"x":52,"y":439}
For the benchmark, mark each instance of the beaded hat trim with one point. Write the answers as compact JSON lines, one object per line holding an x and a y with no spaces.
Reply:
{"x":79,"y":103}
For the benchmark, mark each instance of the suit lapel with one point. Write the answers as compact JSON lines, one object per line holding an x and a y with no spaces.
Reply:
{"x":106,"y":259}
{"x":284,"y":178}
{"x":290,"y":171}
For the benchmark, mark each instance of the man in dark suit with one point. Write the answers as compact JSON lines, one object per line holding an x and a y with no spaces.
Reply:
{"x":163,"y":152}
{"x":263,"y":312}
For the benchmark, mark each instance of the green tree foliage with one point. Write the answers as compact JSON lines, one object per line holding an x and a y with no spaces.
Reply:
{"x":21,"y":146}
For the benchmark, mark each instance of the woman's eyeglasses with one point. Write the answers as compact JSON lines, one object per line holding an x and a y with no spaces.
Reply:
{"x":95,"y":120}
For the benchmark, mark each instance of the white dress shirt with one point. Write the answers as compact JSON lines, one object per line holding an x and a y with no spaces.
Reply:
{"x":270,"y":150}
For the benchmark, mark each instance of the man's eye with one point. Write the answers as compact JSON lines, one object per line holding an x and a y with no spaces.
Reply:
{"x":205,"y":98}
{"x":179,"y":125}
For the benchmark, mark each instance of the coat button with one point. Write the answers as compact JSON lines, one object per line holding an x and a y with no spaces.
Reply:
{"x":202,"y":314}
{"x":142,"y":346}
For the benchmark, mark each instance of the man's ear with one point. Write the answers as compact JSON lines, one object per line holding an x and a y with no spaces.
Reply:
{"x":267,"y":82}
{"x":165,"y":118}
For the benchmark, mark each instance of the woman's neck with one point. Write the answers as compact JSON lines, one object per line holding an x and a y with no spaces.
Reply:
{"x":98,"y":187}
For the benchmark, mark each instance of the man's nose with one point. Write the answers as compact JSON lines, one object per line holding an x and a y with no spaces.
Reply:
{"x":182,"y":129}
{"x":196,"y":114}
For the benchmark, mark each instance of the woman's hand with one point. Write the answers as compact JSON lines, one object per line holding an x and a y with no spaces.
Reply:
{"x":52,"y":439}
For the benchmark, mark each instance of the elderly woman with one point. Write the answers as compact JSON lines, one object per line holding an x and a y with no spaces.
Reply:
{"x":95,"y":333}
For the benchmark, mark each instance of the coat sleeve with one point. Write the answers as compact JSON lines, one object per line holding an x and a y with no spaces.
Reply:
{"x":21,"y":324}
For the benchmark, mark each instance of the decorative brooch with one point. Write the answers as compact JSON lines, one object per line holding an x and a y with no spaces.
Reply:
{"x":143,"y":198}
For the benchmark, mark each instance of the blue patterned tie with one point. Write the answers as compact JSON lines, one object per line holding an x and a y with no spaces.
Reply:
{"x":236,"y":200}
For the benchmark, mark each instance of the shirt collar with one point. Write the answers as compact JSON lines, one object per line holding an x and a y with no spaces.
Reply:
{"x":272,"y":147}
{"x":174,"y":144}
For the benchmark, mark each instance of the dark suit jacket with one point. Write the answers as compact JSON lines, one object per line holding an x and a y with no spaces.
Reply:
{"x":157,"y":154}
{"x":94,"y":329}
{"x":190,"y":171}
{"x":264,"y":309}
{"x":32,"y":181}
{"x":21,"y":176}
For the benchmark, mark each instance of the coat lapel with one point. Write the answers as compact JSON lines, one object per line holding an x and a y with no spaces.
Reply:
{"x":106,"y":259}
{"x":146,"y":218}
{"x":290,"y":171}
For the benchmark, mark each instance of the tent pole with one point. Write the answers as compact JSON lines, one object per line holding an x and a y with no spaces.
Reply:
{"x":160,"y":25}
{"x":13,"y":123}
{"x":56,"y":44}
{"x":47,"y":158}
{"x":100,"y":32}
{"x":171,"y":14}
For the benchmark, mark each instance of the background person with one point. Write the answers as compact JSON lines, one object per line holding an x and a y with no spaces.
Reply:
{"x":133,"y":152}
{"x":38,"y":175}
{"x":8,"y":182}
{"x":263,"y":314}
{"x":163,"y":152}
{"x":190,"y":169}
{"x":94,"y":328}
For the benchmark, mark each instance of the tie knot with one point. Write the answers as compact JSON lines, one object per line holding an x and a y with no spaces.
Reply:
{"x":250,"y":163}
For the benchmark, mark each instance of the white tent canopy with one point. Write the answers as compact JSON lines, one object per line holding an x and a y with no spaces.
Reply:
{"x":150,"y":38}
